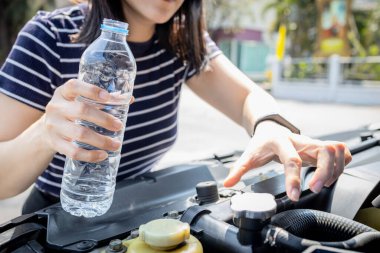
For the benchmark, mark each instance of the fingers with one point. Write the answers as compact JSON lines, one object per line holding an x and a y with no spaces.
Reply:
{"x":74,"y":132}
{"x":65,"y":132}
{"x":84,"y":111}
{"x":74,"y":88}
{"x":235,"y":175}
{"x":331,"y":159}
{"x":242,"y":166}
{"x":64,"y":109}
{"x":71,"y":150}
{"x":325,"y":168}
{"x":338,"y":164}
{"x":347,"y":155}
{"x":253,"y":157}
{"x":292,"y":165}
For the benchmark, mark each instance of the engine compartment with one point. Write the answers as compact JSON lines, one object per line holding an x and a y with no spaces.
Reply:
{"x":193,"y":193}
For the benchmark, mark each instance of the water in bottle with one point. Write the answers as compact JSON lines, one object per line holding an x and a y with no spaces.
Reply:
{"x":87,"y":188}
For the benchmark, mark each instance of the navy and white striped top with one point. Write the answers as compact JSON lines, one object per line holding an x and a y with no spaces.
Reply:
{"x":44,"y":58}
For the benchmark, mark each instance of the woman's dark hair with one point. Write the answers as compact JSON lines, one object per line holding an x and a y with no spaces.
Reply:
{"x":182,"y":34}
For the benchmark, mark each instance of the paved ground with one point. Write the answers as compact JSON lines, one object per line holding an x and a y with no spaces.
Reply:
{"x":204,"y":131}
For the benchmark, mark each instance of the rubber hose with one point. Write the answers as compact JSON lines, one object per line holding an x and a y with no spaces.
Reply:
{"x":289,"y":228}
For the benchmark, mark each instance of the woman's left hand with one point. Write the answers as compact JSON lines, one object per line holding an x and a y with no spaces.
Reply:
{"x":274,"y":142}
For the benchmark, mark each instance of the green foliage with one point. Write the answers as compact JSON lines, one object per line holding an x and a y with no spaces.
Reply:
{"x":300,"y":18}
{"x":362,"y":71}
{"x":13,"y":15}
{"x":368,"y":31}
{"x":228,"y":14}
{"x":306,"y":69}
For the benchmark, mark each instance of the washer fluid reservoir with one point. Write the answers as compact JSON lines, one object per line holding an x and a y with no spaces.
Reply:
{"x":164,"y":236}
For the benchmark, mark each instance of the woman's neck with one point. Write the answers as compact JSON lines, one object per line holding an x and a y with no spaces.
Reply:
{"x":140,"y":28}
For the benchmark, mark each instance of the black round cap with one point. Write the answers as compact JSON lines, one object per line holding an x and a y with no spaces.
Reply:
{"x":207,"y":192}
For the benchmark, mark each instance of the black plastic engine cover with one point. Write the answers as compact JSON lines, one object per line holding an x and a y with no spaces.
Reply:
{"x":152,"y":196}
{"x":135,"y":202}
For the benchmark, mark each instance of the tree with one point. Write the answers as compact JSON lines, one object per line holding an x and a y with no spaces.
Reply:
{"x":228,"y":15}
{"x":13,"y":15}
{"x":300,"y":18}
{"x":366,"y":30}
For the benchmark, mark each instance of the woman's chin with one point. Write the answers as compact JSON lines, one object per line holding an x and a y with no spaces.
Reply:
{"x":161,"y":19}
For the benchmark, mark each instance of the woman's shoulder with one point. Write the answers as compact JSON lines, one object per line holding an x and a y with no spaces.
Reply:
{"x":66,"y":16}
{"x":59,"y":23}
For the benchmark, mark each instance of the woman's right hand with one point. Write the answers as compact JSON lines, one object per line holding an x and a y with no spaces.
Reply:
{"x":61,"y":130}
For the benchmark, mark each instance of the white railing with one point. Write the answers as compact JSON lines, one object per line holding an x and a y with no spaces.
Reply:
{"x":332,"y":82}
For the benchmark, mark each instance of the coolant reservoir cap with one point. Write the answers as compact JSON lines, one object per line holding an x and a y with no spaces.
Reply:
{"x":249,"y":205}
{"x":164,"y":234}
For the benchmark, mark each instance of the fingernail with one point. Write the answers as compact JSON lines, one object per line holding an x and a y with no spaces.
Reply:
{"x":117,"y":123}
{"x":102,"y":156}
{"x":317,"y":187}
{"x":227,"y":182}
{"x":295,"y":194}
{"x":115,"y":144}
{"x":103,"y":94}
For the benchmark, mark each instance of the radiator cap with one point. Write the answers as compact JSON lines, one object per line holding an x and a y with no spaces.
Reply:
{"x":255,"y":206}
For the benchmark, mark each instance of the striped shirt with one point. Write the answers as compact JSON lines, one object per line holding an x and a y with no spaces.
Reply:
{"x":43,"y":58}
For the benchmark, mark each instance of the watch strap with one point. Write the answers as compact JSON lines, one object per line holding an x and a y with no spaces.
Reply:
{"x":279,"y":120}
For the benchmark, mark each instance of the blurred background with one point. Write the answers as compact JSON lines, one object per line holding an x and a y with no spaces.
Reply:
{"x":319,"y":58}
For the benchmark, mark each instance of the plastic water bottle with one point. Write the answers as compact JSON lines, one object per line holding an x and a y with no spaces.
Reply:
{"x":87,"y":188}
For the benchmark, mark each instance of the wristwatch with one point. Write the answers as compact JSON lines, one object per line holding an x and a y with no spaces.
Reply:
{"x":279,"y":120}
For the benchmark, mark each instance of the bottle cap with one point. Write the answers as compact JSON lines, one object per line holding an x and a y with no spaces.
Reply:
{"x":164,"y":234}
{"x":114,"y":26}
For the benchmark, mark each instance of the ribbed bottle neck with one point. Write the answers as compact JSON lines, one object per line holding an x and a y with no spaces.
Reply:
{"x":113,"y":36}
{"x":114,"y":30}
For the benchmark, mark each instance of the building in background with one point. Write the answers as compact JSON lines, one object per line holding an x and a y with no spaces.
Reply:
{"x":242,"y":32}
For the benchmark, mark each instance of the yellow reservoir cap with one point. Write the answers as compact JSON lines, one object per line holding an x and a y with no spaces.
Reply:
{"x":136,"y":245}
{"x":164,"y":234}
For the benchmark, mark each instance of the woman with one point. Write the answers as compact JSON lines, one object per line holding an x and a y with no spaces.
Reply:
{"x":38,"y":106}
